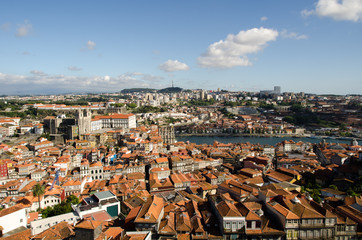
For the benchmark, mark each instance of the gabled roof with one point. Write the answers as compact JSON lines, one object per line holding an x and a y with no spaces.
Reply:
{"x":167,"y":225}
{"x":228,"y":209}
{"x":61,"y":230}
{"x":304,"y":212}
{"x":150,"y":210}
{"x":88,"y":224}
{"x":283,"y":211}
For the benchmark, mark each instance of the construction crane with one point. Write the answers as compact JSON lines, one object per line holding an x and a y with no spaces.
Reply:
{"x":56,"y":179}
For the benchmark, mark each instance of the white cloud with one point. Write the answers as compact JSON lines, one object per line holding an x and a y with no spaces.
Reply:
{"x":91,"y":45}
{"x":40,"y":82}
{"x":234,"y":49}
{"x":264,"y":18}
{"x":173,"y":65}
{"x":24,"y":29}
{"x":350,"y":10}
{"x":145,"y":76}
{"x":74,"y":68}
{"x":38,"y":73}
{"x":293,"y":35}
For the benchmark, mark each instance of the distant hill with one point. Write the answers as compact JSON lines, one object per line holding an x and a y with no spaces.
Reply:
{"x":170,"y":90}
{"x":145,"y":90}
{"x":133,"y":90}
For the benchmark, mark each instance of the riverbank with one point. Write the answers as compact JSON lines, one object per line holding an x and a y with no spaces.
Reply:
{"x":207,"y":139}
{"x":255,"y":135}
{"x":240,"y":135}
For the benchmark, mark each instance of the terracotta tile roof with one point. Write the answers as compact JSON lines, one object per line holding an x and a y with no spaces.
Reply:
{"x":304,"y":212}
{"x":167,"y":225}
{"x":183,"y":223}
{"x":183,"y":237}
{"x":61,"y":230}
{"x":150,"y":210}
{"x":88,"y":224}
{"x":279,"y":176}
{"x":23,"y":235}
{"x":98,"y":216}
{"x":132,"y":214}
{"x":114,"y":232}
{"x":162,"y":160}
{"x":134,"y":236}
{"x":228,"y":209}
{"x":12,"y":209}
{"x":96,"y":164}
{"x":32,"y":216}
{"x":282,"y":210}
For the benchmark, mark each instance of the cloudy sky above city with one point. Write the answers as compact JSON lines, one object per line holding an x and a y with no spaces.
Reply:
{"x":312,"y":46}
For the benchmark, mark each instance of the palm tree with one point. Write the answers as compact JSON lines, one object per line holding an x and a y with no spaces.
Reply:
{"x":38,"y":190}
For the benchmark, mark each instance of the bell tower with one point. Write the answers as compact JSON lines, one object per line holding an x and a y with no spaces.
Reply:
{"x":83,"y":118}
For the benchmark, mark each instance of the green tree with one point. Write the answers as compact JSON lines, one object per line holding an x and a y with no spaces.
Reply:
{"x":131,"y":105}
{"x":38,"y":190}
{"x":72,"y":199}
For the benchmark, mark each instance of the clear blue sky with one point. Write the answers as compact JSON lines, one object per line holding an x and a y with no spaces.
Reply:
{"x":92,"y":46}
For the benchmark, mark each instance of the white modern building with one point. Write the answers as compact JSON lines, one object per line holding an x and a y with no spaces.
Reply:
{"x":125,"y":121}
{"x":13,"y":217}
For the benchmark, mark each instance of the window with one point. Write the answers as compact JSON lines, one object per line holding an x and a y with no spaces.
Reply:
{"x":340,"y":228}
{"x":21,"y":220}
{"x":248,"y":224}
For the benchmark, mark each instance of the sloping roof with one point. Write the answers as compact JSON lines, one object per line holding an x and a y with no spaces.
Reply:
{"x":23,"y":235}
{"x":88,"y":224}
{"x":98,"y":216}
{"x":150,"y":210}
{"x":10,"y":210}
{"x":304,"y":212}
{"x":228,"y":210}
{"x":61,"y":230}
{"x":282,"y":210}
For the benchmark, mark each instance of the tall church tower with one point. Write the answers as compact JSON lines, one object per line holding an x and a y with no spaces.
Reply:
{"x":83,"y":118}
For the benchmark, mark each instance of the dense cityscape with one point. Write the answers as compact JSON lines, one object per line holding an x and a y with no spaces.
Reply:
{"x":181,"y":120}
{"x":110,"y":166}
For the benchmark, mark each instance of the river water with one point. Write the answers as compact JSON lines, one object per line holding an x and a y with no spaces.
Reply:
{"x":254,"y":140}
